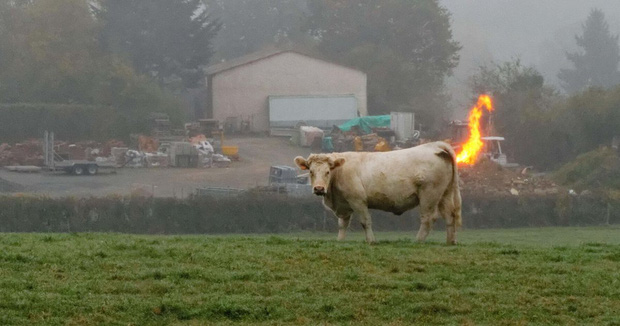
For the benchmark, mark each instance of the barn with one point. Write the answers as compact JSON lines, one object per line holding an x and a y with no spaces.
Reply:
{"x":239,"y":90}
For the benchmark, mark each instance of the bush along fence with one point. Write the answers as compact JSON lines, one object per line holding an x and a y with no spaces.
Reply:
{"x":253,"y":213}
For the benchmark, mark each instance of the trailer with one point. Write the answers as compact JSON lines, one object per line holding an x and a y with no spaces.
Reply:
{"x":82,"y":167}
{"x":53,"y":161}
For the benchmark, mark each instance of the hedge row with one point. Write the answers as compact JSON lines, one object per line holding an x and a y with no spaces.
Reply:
{"x":267,"y":214}
{"x":69,"y":122}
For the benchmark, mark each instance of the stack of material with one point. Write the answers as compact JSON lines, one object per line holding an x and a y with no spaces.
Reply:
{"x":147,"y":144}
{"x":134,"y":159}
{"x":220,"y":161}
{"x":205,"y":158}
{"x":119,"y":155}
{"x":106,"y":148}
{"x":29,"y":152}
{"x":157,"y":160}
{"x":307,"y":135}
{"x":369,"y":142}
{"x":183,"y":154}
{"x":487,"y":177}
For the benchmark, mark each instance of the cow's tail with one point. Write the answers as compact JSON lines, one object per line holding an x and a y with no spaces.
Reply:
{"x":452,"y":196}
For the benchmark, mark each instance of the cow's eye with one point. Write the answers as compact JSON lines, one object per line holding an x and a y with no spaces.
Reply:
{"x":327,"y":173}
{"x":311,"y":173}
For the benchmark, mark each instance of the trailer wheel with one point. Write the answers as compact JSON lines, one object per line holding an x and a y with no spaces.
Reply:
{"x":92,"y":169}
{"x":78,"y":170}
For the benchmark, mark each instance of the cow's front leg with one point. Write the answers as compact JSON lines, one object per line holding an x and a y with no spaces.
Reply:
{"x":366,"y":221}
{"x":343,"y":224}
{"x":451,"y":234}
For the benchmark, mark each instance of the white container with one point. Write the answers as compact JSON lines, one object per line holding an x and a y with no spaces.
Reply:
{"x":307,"y":134}
{"x":403,"y":124}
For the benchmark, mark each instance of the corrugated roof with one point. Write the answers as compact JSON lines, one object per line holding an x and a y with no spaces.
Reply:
{"x":257,"y":56}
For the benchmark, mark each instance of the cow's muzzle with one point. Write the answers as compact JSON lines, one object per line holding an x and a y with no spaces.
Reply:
{"x":319,"y":190}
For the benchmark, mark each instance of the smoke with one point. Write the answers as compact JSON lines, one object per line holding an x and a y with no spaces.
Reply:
{"x":537,"y":32}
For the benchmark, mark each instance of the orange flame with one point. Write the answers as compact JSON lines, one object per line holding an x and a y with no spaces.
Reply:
{"x":472,"y":147}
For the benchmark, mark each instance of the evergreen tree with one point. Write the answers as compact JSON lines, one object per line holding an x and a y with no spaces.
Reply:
{"x":597,"y":64}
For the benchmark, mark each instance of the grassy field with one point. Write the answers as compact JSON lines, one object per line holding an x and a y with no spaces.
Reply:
{"x":566,"y":276}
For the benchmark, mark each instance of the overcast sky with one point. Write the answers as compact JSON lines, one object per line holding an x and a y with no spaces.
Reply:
{"x":536,"y":31}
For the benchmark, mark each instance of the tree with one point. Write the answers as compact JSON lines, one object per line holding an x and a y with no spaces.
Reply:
{"x":49,"y":53}
{"x":404,"y":46}
{"x":250,"y":25}
{"x":169,"y":40}
{"x":597,"y":64}
{"x":524,"y":113}
{"x":596,"y":117}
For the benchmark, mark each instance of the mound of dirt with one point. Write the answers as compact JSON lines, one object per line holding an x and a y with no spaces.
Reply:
{"x":30,"y":152}
{"x":488,"y":177}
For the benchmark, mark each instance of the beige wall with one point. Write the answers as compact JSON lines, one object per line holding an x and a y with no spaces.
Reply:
{"x":243,"y":91}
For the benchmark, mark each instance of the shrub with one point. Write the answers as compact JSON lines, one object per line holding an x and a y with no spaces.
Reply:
{"x":260,"y":213}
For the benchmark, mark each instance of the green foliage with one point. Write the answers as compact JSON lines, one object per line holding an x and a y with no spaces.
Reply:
{"x":534,"y":276}
{"x":169,"y":40}
{"x":46,"y":59}
{"x":597,"y":64}
{"x":50,"y":54}
{"x":405,"y":47}
{"x":593,"y":170}
{"x":595,"y":117}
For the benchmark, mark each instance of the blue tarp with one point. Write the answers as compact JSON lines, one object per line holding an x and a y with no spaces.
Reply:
{"x":367,"y":123}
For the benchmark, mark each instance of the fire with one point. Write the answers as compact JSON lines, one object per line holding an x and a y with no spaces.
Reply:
{"x":470,"y":150}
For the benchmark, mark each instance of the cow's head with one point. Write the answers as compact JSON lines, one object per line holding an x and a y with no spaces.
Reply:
{"x":321,"y":167}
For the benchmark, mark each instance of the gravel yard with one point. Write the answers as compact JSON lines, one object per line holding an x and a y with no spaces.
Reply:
{"x":256,"y":156}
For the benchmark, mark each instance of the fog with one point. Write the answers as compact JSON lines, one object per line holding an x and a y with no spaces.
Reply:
{"x":537,"y":32}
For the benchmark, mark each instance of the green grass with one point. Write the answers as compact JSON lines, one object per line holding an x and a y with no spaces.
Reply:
{"x":566,"y":276}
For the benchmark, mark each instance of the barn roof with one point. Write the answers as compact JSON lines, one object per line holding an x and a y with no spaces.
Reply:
{"x":257,"y":56}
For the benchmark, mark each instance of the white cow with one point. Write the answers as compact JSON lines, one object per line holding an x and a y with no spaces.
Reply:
{"x":397,"y":181}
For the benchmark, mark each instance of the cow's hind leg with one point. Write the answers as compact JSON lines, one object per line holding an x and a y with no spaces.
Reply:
{"x":448,"y":212}
{"x":343,"y":224}
{"x":428,"y":214}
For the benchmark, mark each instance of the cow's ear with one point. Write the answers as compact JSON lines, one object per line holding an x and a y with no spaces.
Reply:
{"x":335,"y":163}
{"x":301,"y":163}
